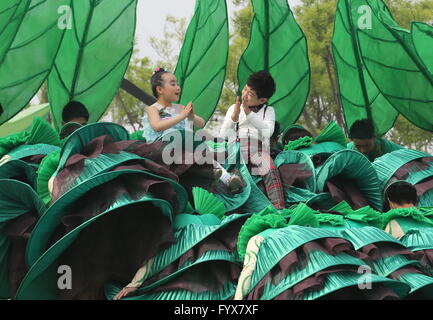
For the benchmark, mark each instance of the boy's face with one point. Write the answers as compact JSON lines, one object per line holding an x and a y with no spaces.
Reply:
{"x":250,"y":99}
{"x":365,"y":146}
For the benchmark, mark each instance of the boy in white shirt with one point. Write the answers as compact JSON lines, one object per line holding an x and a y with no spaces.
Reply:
{"x":252,"y":124}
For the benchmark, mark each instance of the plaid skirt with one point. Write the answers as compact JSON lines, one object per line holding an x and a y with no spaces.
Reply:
{"x":261,"y":164}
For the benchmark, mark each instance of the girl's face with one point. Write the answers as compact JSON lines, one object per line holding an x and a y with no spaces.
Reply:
{"x":170,"y":90}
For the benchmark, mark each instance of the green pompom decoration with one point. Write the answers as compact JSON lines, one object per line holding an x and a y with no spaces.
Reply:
{"x":303,"y":215}
{"x":412,"y":212}
{"x":332,"y":219}
{"x":255,"y":225}
{"x":138,"y":135}
{"x":299,"y":143}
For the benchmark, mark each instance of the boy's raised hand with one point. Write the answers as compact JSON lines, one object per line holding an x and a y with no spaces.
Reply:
{"x":237,"y":110}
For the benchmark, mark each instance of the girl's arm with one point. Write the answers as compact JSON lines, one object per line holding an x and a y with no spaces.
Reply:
{"x":199,"y":122}
{"x":161,"y":125}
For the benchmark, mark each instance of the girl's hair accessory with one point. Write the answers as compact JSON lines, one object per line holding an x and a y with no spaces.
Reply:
{"x":158,"y":70}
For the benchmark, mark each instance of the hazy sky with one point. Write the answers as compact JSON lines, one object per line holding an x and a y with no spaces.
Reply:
{"x":151,"y":16}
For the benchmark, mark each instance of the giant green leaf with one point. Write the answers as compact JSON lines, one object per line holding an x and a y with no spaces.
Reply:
{"x":29,"y":54}
{"x":393,"y":64}
{"x":360,"y":98}
{"x":278,"y":45}
{"x":11,"y":14}
{"x":93,"y":57}
{"x":422,"y":36}
{"x":201,"y":68}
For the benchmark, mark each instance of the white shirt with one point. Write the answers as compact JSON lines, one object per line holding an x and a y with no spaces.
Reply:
{"x":258,"y":125}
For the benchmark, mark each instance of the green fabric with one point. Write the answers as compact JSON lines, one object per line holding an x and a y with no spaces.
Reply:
{"x":294,"y":195}
{"x":40,"y":132}
{"x":278,"y":243}
{"x":422,"y":37}
{"x":361,"y":237}
{"x":381,"y":147}
{"x":190,"y":231}
{"x":326,"y":148}
{"x":323,"y":201}
{"x":296,"y":157}
{"x":255,"y":225}
{"x":386,"y":266}
{"x":418,"y":239}
{"x":367,"y":215}
{"x":299,"y":143}
{"x":201,"y":67}
{"x":387,"y":165}
{"x":12,"y":141}
{"x":342,"y":207}
{"x":25,"y":150}
{"x":421,"y":285}
{"x":340,"y":280}
{"x":41,"y":280}
{"x":137,"y":135}
{"x":359,"y":95}
{"x":277,"y":44}
{"x":46,"y":226}
{"x":352,"y":165}
{"x":207,"y":203}
{"x":317,"y":261}
{"x":412,"y":213}
{"x":18,"y":169}
{"x":391,"y":60}
{"x":225,"y":293}
{"x":46,"y":170}
{"x":23,"y":120}
{"x":81,"y":137}
{"x":332,"y":133}
{"x":16,"y":199}
{"x":302,"y":215}
{"x":85,"y":70}
{"x":68,"y":129}
{"x":11,"y":15}
{"x":34,"y":32}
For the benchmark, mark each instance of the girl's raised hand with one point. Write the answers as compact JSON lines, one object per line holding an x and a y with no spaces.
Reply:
{"x":187,"y":110}
{"x":191,"y":114}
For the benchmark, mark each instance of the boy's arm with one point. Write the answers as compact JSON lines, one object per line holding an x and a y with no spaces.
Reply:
{"x":229,"y":125}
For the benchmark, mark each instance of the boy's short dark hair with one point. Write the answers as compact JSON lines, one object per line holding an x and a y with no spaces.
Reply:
{"x":294,"y":134}
{"x":401,"y":193}
{"x":362,"y":129}
{"x":73,"y":110}
{"x":262,"y":83}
